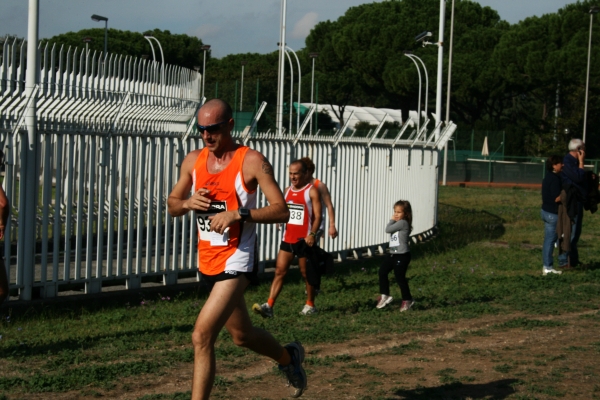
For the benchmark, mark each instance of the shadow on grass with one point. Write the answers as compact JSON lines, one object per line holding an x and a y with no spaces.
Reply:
{"x":492,"y":390}
{"x":458,"y":227}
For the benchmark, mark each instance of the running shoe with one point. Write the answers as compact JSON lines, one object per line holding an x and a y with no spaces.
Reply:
{"x":308,"y":310}
{"x":264,"y":310}
{"x":406,"y":305}
{"x":294,"y":372}
{"x":384,"y":300}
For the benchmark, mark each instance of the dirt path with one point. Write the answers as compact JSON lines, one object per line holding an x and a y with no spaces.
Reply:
{"x":531,"y":358}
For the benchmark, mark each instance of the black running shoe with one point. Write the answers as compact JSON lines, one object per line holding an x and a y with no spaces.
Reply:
{"x":294,"y":371}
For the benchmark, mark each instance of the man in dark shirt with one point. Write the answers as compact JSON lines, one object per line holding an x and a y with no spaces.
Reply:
{"x":573,"y":174}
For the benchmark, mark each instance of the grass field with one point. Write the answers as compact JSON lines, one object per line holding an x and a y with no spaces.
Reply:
{"x":486,"y":324}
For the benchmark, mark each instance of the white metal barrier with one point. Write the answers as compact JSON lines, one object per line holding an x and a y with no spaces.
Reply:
{"x":109,"y":145}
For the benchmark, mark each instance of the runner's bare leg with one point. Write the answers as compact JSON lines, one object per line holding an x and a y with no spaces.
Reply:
{"x":310,"y":291}
{"x":282,"y":265}
{"x":225,"y":307}
{"x":246,"y":335}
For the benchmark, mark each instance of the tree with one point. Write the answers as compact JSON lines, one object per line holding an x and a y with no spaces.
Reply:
{"x":543,"y":61}
{"x":181,"y":50}
{"x":362,"y":62}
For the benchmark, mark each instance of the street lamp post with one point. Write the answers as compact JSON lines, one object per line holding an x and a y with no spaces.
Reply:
{"x":412,"y":56}
{"x":204,"y":48}
{"x":299,"y":87}
{"x":197,"y":69}
{"x":312,"y":84}
{"x":99,"y":18}
{"x":448,"y":90}
{"x":153,"y":60}
{"x":242,"y":86}
{"x":593,"y":10}
{"x":281,"y":71}
{"x":419,"y":97}
{"x":162,"y":56}
{"x":438,"y":91}
{"x":152,"y":48}
{"x":87,"y":40}
{"x":291,"y":86}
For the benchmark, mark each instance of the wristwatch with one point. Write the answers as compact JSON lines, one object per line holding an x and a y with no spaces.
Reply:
{"x":244,"y":213}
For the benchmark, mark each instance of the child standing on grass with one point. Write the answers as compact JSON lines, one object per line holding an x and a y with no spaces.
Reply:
{"x":399,"y":228}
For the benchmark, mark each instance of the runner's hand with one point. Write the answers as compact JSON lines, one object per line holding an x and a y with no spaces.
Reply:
{"x":333,"y":232}
{"x":310,"y":240}
{"x":198,"y":201}
{"x":221,"y":221}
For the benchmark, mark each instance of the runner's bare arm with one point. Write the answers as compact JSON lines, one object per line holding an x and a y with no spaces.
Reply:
{"x":315,"y":198}
{"x":259,"y":172}
{"x":179,"y":201}
{"x":326,"y":196}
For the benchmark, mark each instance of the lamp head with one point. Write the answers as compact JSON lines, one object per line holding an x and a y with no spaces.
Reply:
{"x":313,"y":55}
{"x":98,"y":18}
{"x":422,"y":36}
{"x":205,"y":47}
{"x":87,"y":39}
{"x":594,"y":9}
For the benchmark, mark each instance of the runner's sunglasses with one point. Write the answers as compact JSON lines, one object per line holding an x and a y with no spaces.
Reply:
{"x":210,"y":128}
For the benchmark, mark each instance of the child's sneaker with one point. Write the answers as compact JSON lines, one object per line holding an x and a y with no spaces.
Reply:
{"x":550,"y":270}
{"x":263,"y":310}
{"x":384,"y":300}
{"x":308,"y":310}
{"x":406,"y":305}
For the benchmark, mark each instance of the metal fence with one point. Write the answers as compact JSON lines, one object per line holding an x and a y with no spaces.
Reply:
{"x":530,"y":172}
{"x":110,"y":139}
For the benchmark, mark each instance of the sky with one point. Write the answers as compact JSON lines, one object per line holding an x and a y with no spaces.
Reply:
{"x":229,"y":26}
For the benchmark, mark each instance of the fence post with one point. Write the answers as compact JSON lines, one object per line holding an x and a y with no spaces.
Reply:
{"x":543,"y":170}
{"x":472,"y":138}
{"x":257,"y":92}
{"x":235,"y":102}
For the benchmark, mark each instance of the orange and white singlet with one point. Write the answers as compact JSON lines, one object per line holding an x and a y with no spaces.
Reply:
{"x":301,"y":214}
{"x":234,"y":250}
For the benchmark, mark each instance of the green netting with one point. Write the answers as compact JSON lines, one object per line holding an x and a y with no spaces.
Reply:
{"x":469,"y":144}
